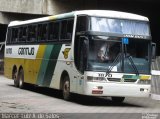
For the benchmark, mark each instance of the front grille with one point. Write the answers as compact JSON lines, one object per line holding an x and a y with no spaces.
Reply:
{"x":114,"y":79}
{"x":121,"y":80}
{"x":130,"y":80}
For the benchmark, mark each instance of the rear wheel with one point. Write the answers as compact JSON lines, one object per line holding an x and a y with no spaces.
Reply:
{"x":21,"y":78}
{"x":66,"y":88}
{"x":14,"y":77}
{"x":118,"y":99}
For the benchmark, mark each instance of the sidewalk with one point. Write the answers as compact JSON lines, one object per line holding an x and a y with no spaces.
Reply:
{"x":155,"y":85}
{"x":155,"y":96}
{"x":1,"y":67}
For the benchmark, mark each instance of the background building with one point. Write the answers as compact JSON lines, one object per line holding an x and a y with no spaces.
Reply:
{"x":27,"y":9}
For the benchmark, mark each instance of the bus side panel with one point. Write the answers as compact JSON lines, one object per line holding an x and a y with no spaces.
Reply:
{"x":47,"y":65}
{"x":10,"y":63}
{"x":38,"y":62}
{"x":31,"y":64}
{"x":51,"y":64}
{"x":64,"y":63}
{"x":7,"y":70}
{"x":29,"y":71}
{"x":60,"y":67}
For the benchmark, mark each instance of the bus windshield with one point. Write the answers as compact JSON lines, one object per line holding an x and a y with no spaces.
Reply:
{"x":106,"y":53}
{"x":120,"y":26}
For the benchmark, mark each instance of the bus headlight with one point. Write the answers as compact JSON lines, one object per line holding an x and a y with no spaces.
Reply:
{"x":95,"y":79}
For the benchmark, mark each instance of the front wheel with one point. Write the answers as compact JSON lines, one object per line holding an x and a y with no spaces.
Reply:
{"x":118,"y":99}
{"x":66,"y":88}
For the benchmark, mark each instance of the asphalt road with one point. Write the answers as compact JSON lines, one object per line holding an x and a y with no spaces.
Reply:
{"x":43,"y":100}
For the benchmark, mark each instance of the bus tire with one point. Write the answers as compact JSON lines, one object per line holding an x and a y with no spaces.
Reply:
{"x":21,"y":78}
{"x":14,"y":77}
{"x":66,"y":88}
{"x":118,"y":99}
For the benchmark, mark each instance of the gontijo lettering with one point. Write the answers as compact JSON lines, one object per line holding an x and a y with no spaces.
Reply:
{"x":8,"y":50}
{"x":26,"y":51}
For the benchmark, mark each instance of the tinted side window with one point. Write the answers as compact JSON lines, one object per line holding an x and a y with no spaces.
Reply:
{"x":42,"y":32}
{"x":82,"y":23}
{"x":9,"y":35}
{"x":14,"y":38}
{"x":66,"y":29}
{"x":53,"y":31}
{"x":24,"y":33}
{"x":70,"y":29}
{"x":32,"y":33}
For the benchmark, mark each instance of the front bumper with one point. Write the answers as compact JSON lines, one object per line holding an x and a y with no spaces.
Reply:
{"x":117,"y":89}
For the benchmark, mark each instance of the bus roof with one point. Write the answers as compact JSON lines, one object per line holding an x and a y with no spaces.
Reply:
{"x":113,"y":14}
{"x":99,"y":13}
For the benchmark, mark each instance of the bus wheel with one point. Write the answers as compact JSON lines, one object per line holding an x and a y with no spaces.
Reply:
{"x":66,"y":88}
{"x":14,"y":77}
{"x":21,"y":78}
{"x":118,"y":99}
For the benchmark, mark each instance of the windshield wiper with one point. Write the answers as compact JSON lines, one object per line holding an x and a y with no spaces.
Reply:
{"x":133,"y":64}
{"x":115,"y":62}
{"x":127,"y":55}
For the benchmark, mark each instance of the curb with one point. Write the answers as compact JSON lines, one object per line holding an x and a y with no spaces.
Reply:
{"x":155,"y":96}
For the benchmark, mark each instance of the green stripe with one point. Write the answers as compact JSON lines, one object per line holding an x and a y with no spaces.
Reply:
{"x":130,"y":77}
{"x":44,"y":64}
{"x":51,"y":65}
{"x":48,"y":65}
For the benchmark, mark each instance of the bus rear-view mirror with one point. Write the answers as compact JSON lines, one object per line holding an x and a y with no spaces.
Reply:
{"x":153,"y":52}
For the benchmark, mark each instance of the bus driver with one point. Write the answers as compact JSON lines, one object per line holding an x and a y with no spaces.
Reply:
{"x":103,"y":53}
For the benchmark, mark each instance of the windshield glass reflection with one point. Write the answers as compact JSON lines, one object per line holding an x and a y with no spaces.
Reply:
{"x":120,"y":26}
{"x":105,"y":53}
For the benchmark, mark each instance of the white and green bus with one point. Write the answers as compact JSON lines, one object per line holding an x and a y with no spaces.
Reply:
{"x":89,"y":52}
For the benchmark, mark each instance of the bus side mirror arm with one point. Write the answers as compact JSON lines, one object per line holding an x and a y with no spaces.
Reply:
{"x":153,"y":51}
